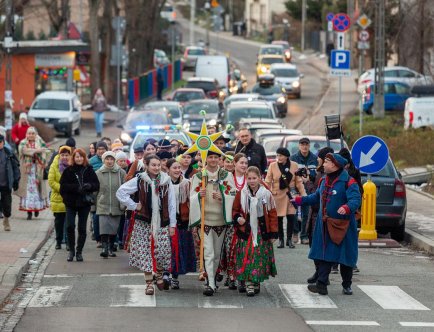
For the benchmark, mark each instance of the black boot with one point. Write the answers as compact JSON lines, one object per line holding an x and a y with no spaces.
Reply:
{"x":78,"y":256}
{"x":29,"y":216}
{"x":289,"y":244}
{"x":71,"y":254}
{"x":281,"y":245}
{"x":104,"y":253}
{"x":111,"y":246}
{"x":280,"y":232}
{"x":319,"y":288}
{"x":313,"y":279}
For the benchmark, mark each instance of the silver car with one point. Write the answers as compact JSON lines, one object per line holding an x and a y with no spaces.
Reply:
{"x":190,"y":56}
{"x":288,"y":77}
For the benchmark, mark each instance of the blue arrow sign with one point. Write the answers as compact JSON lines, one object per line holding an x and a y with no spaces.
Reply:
{"x":370,"y":154}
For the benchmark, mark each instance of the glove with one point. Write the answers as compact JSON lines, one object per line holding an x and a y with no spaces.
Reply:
{"x":86,"y":187}
{"x":15,"y":186}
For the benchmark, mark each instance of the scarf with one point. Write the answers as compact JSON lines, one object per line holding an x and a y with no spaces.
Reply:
{"x":62,"y":166}
{"x":182,"y":191}
{"x":253,"y":204}
{"x":37,"y":158}
{"x":286,"y":175}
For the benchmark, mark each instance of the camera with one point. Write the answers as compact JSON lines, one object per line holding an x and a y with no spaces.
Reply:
{"x":301,"y":172}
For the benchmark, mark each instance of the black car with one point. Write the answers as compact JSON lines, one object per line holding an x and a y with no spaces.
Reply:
{"x":269,"y":91}
{"x":192,"y":119}
{"x":391,"y":201}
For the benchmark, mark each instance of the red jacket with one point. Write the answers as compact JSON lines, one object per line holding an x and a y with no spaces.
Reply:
{"x":18,"y":132}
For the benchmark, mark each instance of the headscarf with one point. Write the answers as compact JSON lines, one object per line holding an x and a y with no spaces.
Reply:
{"x":40,"y":158}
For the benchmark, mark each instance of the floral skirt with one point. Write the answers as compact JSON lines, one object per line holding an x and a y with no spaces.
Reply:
{"x":33,"y":202}
{"x":254,"y":264}
{"x":227,"y":263}
{"x":141,"y":254}
{"x":183,"y":252}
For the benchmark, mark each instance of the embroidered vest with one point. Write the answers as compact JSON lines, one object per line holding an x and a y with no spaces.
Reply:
{"x":145,"y":197}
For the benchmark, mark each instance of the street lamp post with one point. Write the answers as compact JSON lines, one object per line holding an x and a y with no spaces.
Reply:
{"x":207,"y":8}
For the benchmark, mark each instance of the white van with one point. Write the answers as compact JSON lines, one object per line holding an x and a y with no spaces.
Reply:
{"x":58,"y":109}
{"x":419,"y":112}
{"x":215,"y":66}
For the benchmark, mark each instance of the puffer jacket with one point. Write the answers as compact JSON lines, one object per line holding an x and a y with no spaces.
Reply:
{"x":56,"y":200}
{"x":110,"y":179}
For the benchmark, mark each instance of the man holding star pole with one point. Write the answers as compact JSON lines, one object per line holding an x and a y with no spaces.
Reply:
{"x":211,"y":197}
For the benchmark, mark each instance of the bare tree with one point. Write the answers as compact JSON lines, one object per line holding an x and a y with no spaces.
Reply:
{"x":58,"y":13}
{"x":95,"y":62}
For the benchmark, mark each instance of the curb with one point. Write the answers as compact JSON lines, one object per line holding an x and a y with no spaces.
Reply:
{"x":420,"y":192}
{"x":419,"y":241}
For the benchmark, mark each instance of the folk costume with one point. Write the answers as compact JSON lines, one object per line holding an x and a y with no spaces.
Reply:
{"x":218,"y":214}
{"x":254,"y":256}
{"x":150,"y":247}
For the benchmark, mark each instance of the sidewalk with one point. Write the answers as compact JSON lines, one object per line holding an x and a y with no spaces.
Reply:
{"x":19,"y":246}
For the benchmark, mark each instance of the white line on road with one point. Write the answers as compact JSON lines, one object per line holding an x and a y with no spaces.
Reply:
{"x":392,"y":297}
{"x":342,"y":322}
{"x":48,"y":296}
{"x":208,"y":303}
{"x":121,"y":275}
{"x":416,"y":324}
{"x":137,"y":297}
{"x":60,"y":276}
{"x":300,"y":297}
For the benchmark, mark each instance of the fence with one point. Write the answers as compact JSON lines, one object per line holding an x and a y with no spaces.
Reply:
{"x":145,"y":86}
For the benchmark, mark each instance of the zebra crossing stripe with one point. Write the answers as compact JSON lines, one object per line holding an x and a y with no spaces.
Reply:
{"x":342,"y":322}
{"x":136,"y":297}
{"x":48,"y":296}
{"x":208,"y":303}
{"x":417,"y":324}
{"x":300,"y":297}
{"x":392,"y":297}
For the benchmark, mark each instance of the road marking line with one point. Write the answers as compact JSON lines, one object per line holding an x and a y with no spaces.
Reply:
{"x":207,"y":303}
{"x":300,"y":297}
{"x":60,"y":276}
{"x":392,"y":297}
{"x":137,"y":297}
{"x":121,"y":275}
{"x":342,"y":322}
{"x":416,"y":324}
{"x":48,"y":296}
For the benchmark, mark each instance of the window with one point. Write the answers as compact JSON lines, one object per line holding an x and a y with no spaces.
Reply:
{"x":389,"y":88}
{"x":269,"y":61}
{"x":406,"y":74}
{"x":389,"y":73}
{"x":284,"y":72}
{"x":51,"y":104}
{"x":235,"y":114}
{"x":402,"y":89}
{"x":197,"y":107}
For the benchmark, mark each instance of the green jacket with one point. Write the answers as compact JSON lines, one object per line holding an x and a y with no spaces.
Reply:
{"x":56,"y":201}
{"x":109,"y":182}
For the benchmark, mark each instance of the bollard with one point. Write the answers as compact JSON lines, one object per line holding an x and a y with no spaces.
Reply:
{"x":369,"y":212}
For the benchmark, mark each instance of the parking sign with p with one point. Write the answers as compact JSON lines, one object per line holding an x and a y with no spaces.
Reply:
{"x":340,"y":63}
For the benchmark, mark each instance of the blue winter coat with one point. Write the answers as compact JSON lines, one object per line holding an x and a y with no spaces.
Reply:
{"x":95,"y":162}
{"x":345,"y":191}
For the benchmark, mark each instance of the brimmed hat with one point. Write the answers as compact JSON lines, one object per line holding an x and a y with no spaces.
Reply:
{"x":108,"y":154}
{"x":164,"y":155}
{"x":164,"y":144}
{"x":337,"y":159}
{"x":304,"y":140}
{"x":283,"y":151}
{"x":226,"y":139}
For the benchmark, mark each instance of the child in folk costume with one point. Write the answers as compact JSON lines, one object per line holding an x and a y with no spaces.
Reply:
{"x":154,"y":222}
{"x":255,"y":217}
{"x":183,"y":251}
{"x":219,"y":195}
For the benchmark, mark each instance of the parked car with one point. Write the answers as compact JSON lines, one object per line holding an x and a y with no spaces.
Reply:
{"x":215,"y":66}
{"x":288,"y":77}
{"x":419,"y":112}
{"x":140,"y":120}
{"x":192,"y":119}
{"x":395,"y":95}
{"x":184,"y":95}
{"x":172,"y":107}
{"x":269,"y":91}
{"x":160,"y":58}
{"x":60,"y":110}
{"x":209,"y":85}
{"x":265,"y":61}
{"x":191,"y":54}
{"x":287,"y":49}
{"x":240,"y":97}
{"x":271,"y":144}
{"x":168,"y":12}
{"x":396,"y":74}
{"x":391,"y":201}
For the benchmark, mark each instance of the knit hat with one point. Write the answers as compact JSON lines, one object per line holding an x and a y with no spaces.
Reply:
{"x":344,"y":152}
{"x":108,"y":154}
{"x":337,"y":159}
{"x":117,"y":146}
{"x":70,"y":142}
{"x":23,"y":116}
{"x":164,"y":154}
{"x":121,"y":155}
{"x":323,"y":152}
{"x":283,"y":151}
{"x":65,"y":148}
{"x":101,"y":144}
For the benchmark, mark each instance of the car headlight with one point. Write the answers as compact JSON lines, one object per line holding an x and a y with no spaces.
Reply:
{"x":186,"y":125}
{"x":126,"y":137}
{"x":296,"y":84}
{"x":222,"y":94}
{"x":263,"y":69}
{"x":64,"y":120}
{"x":288,"y":54}
{"x":212,"y":122}
{"x":281,"y":100}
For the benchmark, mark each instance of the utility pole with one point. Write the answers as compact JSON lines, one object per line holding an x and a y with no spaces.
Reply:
{"x":350,"y":12}
{"x":192,"y":19}
{"x":303,"y":24}
{"x":379,"y":60}
{"x":7,"y":45}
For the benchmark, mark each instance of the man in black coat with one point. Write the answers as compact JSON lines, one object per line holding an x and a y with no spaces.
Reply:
{"x":255,"y":153}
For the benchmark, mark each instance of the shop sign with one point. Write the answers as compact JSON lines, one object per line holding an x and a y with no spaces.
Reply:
{"x":55,"y":60}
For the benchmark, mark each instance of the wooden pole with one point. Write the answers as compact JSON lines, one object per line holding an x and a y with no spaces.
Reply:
{"x":202,"y":224}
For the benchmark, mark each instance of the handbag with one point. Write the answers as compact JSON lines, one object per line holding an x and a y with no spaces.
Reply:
{"x":88,"y":198}
{"x":337,"y":228}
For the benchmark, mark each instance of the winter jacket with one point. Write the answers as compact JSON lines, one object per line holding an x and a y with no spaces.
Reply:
{"x":95,"y":162}
{"x":310,"y":161}
{"x":12,"y":169}
{"x":109,"y":182}
{"x":70,"y":185}
{"x":255,"y":154}
{"x":18,"y":133}
{"x":56,"y":200}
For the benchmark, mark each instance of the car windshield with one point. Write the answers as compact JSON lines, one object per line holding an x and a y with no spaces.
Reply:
{"x":269,"y":61}
{"x":235,"y":114}
{"x":315,"y":146}
{"x":236,"y":98}
{"x":187,"y":96}
{"x":195,"y":108}
{"x":146,"y":119}
{"x":196,"y":51}
{"x":172,"y":109}
{"x":141,"y":138}
{"x":51,"y":104}
{"x":283,"y":43}
{"x":205,"y":86}
{"x":272,"y":50}
{"x":285,"y":72}
{"x":266,"y":90}
{"x":271,"y":145}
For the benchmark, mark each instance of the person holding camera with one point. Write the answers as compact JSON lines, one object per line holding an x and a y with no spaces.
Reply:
{"x":284,"y":184}
{"x":77,"y":184}
{"x":307,"y":164}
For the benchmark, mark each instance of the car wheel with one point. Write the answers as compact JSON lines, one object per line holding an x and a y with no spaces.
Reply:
{"x":398,"y":233}
{"x":77,"y":131}
{"x":69,"y":131}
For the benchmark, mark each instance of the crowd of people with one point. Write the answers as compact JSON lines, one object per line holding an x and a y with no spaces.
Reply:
{"x":174,"y":213}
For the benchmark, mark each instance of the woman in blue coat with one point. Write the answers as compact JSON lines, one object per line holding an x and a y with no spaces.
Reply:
{"x":339,"y":197}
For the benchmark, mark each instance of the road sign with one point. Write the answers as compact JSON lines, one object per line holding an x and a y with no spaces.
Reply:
{"x":362,"y":45}
{"x":330,"y":16}
{"x":363,"y":35}
{"x":364,"y":21}
{"x":341,"y":22}
{"x":370,"y":154}
{"x":330,"y":26}
{"x":340,"y":63}
{"x":341,"y":40}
